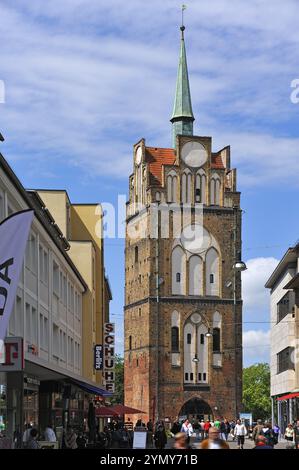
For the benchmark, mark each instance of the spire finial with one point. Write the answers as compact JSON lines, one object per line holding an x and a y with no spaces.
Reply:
{"x":183,"y":9}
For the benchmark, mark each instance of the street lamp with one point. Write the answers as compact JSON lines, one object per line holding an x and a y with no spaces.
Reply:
{"x":195,"y":359}
{"x":240,"y":266}
{"x":208,"y":333}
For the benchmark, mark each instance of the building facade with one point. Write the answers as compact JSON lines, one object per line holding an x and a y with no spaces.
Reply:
{"x":51,"y":311}
{"x":183,"y":307}
{"x":284,"y":338}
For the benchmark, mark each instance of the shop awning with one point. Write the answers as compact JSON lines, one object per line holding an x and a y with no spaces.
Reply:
{"x":288,"y":396}
{"x":91,"y":388}
{"x":125,"y":410}
{"x":105,"y":412}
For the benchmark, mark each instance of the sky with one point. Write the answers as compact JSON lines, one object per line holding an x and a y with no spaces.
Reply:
{"x":83,"y":80}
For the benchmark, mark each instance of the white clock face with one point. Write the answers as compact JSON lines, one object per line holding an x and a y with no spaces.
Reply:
{"x":138,"y":156}
{"x":194,"y":154}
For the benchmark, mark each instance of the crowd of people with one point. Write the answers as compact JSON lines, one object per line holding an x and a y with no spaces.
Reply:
{"x":205,"y":434}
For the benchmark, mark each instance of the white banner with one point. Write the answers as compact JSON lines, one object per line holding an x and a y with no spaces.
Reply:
{"x":14,"y":233}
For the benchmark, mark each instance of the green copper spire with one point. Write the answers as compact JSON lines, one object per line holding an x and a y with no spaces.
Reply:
{"x":182,"y":116}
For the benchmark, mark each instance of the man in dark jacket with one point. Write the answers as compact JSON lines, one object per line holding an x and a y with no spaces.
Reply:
{"x":257,"y":430}
{"x":160,"y":437}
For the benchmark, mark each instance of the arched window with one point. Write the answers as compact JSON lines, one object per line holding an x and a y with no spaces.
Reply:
{"x":136,"y":254}
{"x":130,"y":342}
{"x":172,"y":187}
{"x":212,"y":272}
{"x":195,"y":275}
{"x":186,"y":187}
{"x":215,"y":187}
{"x":174,"y":339}
{"x":200,"y":187}
{"x":178,"y":266}
{"x":217,"y":356}
{"x":216,"y":340}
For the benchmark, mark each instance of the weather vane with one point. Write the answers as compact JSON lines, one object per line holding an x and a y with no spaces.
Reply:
{"x":183,"y":9}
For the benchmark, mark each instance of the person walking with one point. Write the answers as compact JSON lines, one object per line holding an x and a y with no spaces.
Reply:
{"x":206,"y":427}
{"x":214,"y":441}
{"x":224,"y":429}
{"x":32,"y":442}
{"x":49,"y":434}
{"x":202,"y":430}
{"x":267,"y":431}
{"x":217,"y":423}
{"x":160,"y":437}
{"x":289,"y":435}
{"x":187,"y":429}
{"x":196,"y":428}
{"x":26,"y":435}
{"x":257,"y":430}
{"x":296,"y":434}
{"x":276,"y":430}
{"x":70,"y":439}
{"x":240,"y":432}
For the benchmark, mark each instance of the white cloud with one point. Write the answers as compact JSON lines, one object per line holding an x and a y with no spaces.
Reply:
{"x":256,"y":345}
{"x":86,"y":79}
{"x":256,"y":298}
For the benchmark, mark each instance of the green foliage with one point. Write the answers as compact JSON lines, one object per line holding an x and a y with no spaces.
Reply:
{"x":256,"y":391}
{"x":118,"y":396}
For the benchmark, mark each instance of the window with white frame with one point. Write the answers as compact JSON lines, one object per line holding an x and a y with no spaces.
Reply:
{"x":28,"y":323}
{"x":43,"y":265}
{"x":31,"y":253}
{"x":55,"y":279}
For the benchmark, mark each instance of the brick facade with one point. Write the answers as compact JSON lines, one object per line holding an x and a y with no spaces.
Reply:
{"x":152,"y":383}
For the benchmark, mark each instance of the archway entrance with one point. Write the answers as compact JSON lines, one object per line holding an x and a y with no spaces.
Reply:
{"x":196,"y":409}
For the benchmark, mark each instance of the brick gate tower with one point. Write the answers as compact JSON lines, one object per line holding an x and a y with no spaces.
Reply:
{"x":183,"y":307}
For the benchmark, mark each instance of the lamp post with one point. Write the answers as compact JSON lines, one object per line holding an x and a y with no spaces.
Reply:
{"x":238,"y":267}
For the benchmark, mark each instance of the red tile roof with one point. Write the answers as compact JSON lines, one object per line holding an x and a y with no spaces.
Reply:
{"x":217,"y":161}
{"x":156,"y":157}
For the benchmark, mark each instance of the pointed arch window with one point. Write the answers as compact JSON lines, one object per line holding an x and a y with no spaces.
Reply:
{"x":216,"y":340}
{"x":212,"y":272}
{"x":175,"y":339}
{"x":215,"y":188}
{"x":186,"y":187}
{"x":172,"y":187}
{"x":200,"y":187}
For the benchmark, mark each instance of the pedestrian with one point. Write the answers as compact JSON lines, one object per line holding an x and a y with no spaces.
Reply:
{"x":196,"y":428}
{"x":232,"y":429}
{"x":224,"y":429}
{"x":180,"y":441}
{"x":81,"y":441}
{"x":187,"y":429}
{"x":70,"y":438}
{"x":32,"y":442}
{"x":217,"y":423}
{"x":202,"y":430}
{"x":214,"y":441}
{"x":289,"y":435}
{"x":261,"y":443}
{"x":49,"y":434}
{"x":129,"y":424}
{"x":276,"y":430}
{"x":257,"y":430}
{"x":150,"y":426}
{"x":267,"y":431}
{"x":160,"y":437}
{"x":176,"y":427}
{"x":26,"y":435}
{"x":240,"y":432}
{"x":124,"y":438}
{"x":206,"y":427}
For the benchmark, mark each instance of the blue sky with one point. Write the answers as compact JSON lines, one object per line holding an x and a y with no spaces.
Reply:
{"x":84,"y":80}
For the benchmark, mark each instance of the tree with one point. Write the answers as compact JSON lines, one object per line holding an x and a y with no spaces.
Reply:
{"x":256,"y":390}
{"x":118,"y":396}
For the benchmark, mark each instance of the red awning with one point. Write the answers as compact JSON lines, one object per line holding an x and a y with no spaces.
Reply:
{"x":105,"y":412}
{"x":125,"y":410}
{"x":287,"y":397}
